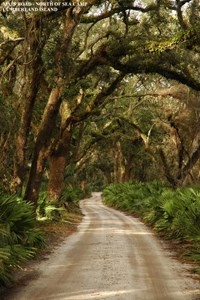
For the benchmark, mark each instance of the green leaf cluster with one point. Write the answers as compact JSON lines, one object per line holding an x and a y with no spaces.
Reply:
{"x":174,"y":214}
{"x":19,"y":237}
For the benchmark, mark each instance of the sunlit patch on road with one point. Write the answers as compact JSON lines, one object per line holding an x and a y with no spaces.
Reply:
{"x":111,"y":257}
{"x":95,"y":295}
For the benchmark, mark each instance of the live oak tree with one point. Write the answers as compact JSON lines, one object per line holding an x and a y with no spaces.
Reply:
{"x":144,"y":133}
{"x":102,"y":52}
{"x":55,"y":62}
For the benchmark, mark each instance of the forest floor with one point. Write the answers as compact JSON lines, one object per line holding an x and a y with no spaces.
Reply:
{"x":55,"y":234}
{"x":112,"y":256}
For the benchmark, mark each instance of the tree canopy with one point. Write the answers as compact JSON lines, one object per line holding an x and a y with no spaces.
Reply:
{"x":99,"y":91}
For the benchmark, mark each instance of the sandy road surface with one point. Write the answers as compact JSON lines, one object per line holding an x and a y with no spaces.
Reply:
{"x":113,"y":257}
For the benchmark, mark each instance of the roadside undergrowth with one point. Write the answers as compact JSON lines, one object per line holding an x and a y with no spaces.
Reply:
{"x":56,"y":232}
{"x":173,"y":214}
{"x":23,"y":237}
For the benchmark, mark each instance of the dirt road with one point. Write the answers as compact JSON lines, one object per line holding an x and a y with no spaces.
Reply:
{"x":113,"y":257}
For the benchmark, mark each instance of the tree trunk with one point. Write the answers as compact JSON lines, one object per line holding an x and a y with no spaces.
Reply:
{"x":52,"y":109}
{"x":58,"y":160}
{"x":118,"y":163}
{"x":170,"y":178}
{"x":56,"y":179}
{"x":42,"y":144}
{"x":108,"y":176}
{"x":127,"y":170}
{"x":29,"y":93}
{"x":25,"y":123}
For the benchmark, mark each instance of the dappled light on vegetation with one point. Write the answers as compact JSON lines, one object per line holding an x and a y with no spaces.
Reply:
{"x":94,"y":93}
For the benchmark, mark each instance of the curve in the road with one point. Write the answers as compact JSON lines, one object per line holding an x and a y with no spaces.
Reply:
{"x":113,"y":257}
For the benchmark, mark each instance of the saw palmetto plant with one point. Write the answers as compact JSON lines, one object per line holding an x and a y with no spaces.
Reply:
{"x":174,"y":214}
{"x":19,"y":238}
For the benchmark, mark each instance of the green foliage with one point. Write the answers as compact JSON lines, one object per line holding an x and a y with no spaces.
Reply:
{"x":74,"y":194}
{"x":19,"y":237}
{"x":133,"y":197}
{"x":173,"y":214}
{"x":54,"y":210}
{"x":48,"y":210}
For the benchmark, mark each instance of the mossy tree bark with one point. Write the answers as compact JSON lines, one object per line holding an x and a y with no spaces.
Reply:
{"x":32,"y":71}
{"x":58,"y":159}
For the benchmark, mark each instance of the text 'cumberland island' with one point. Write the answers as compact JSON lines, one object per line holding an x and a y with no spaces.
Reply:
{"x":36,"y":6}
